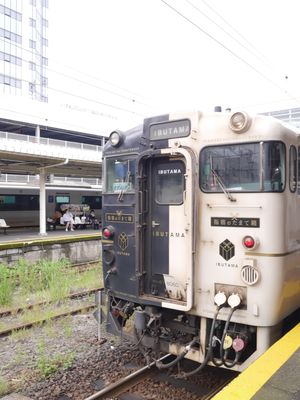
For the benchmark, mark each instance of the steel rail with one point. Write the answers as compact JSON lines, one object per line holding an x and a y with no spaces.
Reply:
{"x":17,"y":327}
{"x":6,"y":312}
{"x":126,"y":382}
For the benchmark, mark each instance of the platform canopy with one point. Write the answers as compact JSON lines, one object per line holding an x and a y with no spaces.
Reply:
{"x":27,"y":148}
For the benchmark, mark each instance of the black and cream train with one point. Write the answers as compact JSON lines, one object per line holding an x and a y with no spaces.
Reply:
{"x":201,"y":235}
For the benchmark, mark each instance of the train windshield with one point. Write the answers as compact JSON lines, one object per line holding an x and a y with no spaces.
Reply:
{"x":120,"y":175}
{"x":245,"y":167}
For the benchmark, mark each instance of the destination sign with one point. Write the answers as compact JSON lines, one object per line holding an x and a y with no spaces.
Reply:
{"x":170,"y":130}
{"x":235,"y":222}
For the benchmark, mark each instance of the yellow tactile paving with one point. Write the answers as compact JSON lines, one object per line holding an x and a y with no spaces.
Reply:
{"x":254,"y":377}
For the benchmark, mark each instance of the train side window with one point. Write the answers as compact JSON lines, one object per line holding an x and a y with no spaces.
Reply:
{"x":274,"y":166}
{"x":62,"y":199}
{"x":7,"y":199}
{"x":169,"y":182}
{"x":95,"y":202}
{"x":293,"y":169}
{"x":24,"y":202}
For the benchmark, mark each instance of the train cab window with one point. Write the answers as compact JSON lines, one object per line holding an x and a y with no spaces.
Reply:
{"x":246,"y":167}
{"x":169,"y":182}
{"x":293,"y":169}
{"x":120,"y":175}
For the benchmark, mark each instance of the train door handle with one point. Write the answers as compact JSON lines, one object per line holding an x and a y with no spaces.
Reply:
{"x":154,"y":224}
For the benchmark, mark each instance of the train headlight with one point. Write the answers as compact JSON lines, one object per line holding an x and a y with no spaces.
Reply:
{"x":116,"y":138}
{"x":250,"y":242}
{"x":108,"y":232}
{"x":239,"y":122}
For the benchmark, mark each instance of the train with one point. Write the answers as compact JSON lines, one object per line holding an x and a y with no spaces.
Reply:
{"x":201,"y":236}
{"x":19,"y":205}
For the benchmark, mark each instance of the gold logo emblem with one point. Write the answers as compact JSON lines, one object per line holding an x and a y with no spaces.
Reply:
{"x":123,"y":241}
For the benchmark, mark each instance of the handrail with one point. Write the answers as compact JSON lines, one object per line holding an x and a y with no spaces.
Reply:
{"x":34,"y":179}
{"x":49,"y":141}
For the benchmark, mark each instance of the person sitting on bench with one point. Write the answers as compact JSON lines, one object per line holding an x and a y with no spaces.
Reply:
{"x":68,"y":220}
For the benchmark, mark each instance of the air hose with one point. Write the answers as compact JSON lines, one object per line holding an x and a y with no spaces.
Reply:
{"x":187,"y":348}
{"x":209,"y":351}
{"x":220,"y":300}
{"x":234,"y":301}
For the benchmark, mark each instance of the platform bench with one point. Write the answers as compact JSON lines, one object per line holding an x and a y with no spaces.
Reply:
{"x":3,"y":225}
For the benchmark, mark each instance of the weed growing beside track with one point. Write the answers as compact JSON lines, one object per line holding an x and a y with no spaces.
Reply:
{"x":34,"y":354}
{"x":27,"y":283}
{"x":7,"y":284}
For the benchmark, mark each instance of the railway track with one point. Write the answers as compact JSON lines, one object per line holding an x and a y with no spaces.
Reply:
{"x":75,"y":310}
{"x":12,"y":311}
{"x":125,"y":387}
{"x":129,"y":381}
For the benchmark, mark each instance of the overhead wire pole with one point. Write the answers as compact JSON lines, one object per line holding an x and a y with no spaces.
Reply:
{"x":43,"y":203}
{"x":42,"y":175}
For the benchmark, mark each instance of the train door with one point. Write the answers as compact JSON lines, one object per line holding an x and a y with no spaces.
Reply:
{"x":169,"y":230}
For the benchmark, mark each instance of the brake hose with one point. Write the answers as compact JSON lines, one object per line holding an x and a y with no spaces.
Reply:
{"x":209,"y":351}
{"x":234,"y":362}
{"x":234,"y":301}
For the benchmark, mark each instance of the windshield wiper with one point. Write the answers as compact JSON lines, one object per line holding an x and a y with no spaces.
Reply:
{"x":121,"y":194}
{"x":222,"y":186}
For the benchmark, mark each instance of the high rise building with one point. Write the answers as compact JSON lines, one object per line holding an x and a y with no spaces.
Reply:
{"x":23,"y":48}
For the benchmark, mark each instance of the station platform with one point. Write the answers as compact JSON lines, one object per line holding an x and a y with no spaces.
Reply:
{"x":81,"y":245}
{"x":273,"y":376}
{"x":24,"y":235}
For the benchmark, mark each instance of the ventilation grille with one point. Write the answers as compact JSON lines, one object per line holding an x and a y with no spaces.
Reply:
{"x":249,"y":275}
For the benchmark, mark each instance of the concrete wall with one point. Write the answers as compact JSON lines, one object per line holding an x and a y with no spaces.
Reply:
{"x":76,"y":252}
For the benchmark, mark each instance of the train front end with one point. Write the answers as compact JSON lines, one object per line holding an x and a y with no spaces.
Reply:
{"x":191,"y":263}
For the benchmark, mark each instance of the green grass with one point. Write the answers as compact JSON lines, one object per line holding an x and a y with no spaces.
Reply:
{"x":4,"y":387}
{"x":20,"y":334}
{"x":49,"y":364}
{"x":7,"y":284}
{"x":40,"y":276}
{"x":44,"y":281}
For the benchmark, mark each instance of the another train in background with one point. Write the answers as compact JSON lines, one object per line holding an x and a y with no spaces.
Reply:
{"x":19,"y":205}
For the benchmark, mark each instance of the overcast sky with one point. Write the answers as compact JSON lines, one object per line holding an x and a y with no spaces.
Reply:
{"x":136,"y":58}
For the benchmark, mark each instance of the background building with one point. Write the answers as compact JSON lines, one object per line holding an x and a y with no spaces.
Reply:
{"x":289,"y":115}
{"x":23,"y":48}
